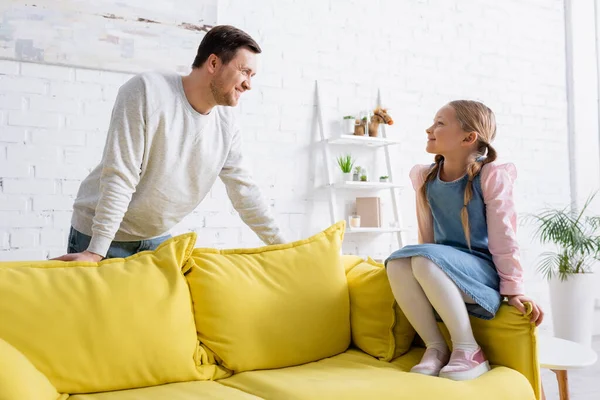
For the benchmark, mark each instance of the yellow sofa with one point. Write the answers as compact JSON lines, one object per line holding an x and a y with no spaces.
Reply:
{"x":293,"y":321}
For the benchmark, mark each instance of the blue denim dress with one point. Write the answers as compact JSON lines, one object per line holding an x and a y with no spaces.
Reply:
{"x":473,"y":270}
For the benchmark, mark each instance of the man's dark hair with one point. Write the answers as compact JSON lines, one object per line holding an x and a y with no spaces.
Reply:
{"x":224,"y":41}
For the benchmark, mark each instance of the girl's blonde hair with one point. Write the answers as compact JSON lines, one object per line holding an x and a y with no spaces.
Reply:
{"x":473,"y":116}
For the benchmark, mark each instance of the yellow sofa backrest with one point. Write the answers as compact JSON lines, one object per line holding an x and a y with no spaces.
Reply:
{"x":274,"y":306}
{"x":92,"y":327}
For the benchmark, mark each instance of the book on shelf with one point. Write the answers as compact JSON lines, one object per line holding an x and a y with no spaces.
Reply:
{"x":369,"y":209}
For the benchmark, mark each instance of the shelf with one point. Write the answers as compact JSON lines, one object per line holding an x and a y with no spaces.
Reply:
{"x":363,"y":141}
{"x":365,"y":185}
{"x":333,"y":182}
{"x":373,"y":230}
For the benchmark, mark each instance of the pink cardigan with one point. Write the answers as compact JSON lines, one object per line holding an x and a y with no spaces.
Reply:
{"x":497,"y":187}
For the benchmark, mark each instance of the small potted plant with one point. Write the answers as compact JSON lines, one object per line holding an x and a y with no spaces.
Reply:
{"x":569,"y":269}
{"x":348,"y":124}
{"x":356,"y":175}
{"x":346,"y":163}
{"x":383,"y":178}
{"x":363,"y":175}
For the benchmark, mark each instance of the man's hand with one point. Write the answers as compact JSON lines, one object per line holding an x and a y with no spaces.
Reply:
{"x":83,"y":256}
{"x":537,"y":315}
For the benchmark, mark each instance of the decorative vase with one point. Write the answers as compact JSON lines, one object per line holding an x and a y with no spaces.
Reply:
{"x":572,"y":303}
{"x":348,"y":126}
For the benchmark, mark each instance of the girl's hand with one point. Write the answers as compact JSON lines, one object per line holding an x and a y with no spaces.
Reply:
{"x":537,"y":315}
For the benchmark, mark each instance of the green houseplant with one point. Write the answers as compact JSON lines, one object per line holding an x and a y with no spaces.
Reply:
{"x":346,"y":163}
{"x":568,"y":270}
{"x":577,"y":237}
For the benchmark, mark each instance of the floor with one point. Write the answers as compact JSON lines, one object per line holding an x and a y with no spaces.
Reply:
{"x":584,"y":384}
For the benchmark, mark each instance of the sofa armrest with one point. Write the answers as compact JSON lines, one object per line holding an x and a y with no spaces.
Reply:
{"x":19,"y":379}
{"x":509,"y":340}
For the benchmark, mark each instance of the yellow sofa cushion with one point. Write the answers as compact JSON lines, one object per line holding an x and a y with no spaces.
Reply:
{"x":350,"y":261}
{"x":92,"y":327}
{"x":379,"y":327}
{"x":356,"y":375}
{"x":273,"y":306}
{"x":19,"y":379}
{"x":199,"y":390}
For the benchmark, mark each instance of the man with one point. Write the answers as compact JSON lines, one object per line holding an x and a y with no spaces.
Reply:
{"x":169,"y":139}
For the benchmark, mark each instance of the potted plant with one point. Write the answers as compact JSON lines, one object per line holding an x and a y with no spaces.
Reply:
{"x":356,"y":175}
{"x":346,"y":163}
{"x":362,"y":174}
{"x":384,"y":178}
{"x":348,"y":124}
{"x":569,"y":269}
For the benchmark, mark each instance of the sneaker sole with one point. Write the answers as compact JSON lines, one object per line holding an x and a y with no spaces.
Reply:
{"x":425,"y":372}
{"x":467,"y":375}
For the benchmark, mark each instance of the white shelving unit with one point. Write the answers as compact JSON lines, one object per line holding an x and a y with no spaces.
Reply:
{"x":365,"y":142}
{"x":353,"y":185}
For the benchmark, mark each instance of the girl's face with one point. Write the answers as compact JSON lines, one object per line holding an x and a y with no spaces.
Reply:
{"x":446,"y":136}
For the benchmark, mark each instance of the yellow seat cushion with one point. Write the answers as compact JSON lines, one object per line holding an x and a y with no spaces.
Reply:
{"x":92,"y":327}
{"x":356,"y":375}
{"x":205,"y":390}
{"x":19,"y":379}
{"x":379,"y":327}
{"x":273,"y":306}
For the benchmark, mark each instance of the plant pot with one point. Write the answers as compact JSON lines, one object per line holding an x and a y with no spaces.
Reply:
{"x":355,"y":178}
{"x":572,"y":303}
{"x":346,"y":177}
{"x":348,"y":126}
{"x":383,"y":180}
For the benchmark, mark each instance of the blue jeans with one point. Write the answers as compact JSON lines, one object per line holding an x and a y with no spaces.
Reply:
{"x":79,"y":242}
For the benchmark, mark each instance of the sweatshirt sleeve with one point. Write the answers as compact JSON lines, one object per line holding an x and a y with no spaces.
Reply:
{"x":121,"y":163}
{"x":497,"y":187}
{"x":245,"y":194}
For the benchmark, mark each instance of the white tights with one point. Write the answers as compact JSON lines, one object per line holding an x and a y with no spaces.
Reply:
{"x":418,"y":284}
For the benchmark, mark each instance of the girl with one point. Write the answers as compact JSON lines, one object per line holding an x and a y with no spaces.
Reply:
{"x":468,"y":257}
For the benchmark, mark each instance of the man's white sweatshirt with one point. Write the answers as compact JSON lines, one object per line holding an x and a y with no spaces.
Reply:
{"x":160,"y":160}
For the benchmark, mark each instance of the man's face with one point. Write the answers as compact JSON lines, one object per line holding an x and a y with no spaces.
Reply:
{"x":234,"y":78}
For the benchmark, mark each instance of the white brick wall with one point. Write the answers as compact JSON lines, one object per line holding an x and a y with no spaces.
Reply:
{"x":420,"y":54}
